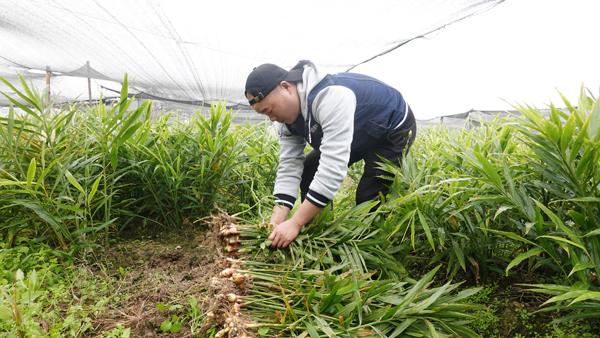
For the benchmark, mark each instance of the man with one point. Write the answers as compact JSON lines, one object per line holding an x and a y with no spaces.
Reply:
{"x":345,"y":117}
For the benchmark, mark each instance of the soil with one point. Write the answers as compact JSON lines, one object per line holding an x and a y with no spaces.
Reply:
{"x":170,"y":271}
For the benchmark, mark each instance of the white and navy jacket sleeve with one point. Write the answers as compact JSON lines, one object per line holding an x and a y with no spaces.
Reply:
{"x":333,"y":108}
{"x":291,"y":164}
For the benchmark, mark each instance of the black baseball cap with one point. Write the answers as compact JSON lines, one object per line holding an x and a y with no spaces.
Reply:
{"x":264,"y":78}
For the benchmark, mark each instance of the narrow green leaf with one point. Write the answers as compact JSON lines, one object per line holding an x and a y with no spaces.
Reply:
{"x":114,"y":156}
{"x":402,"y":327}
{"x":312,"y":331}
{"x":60,"y":231}
{"x":94,"y":189}
{"x":121,"y":139}
{"x":27,"y":97}
{"x":594,"y":127}
{"x":564,"y":240}
{"x":31,"y":171}
{"x":593,"y":233}
{"x":10,"y":124}
{"x":5,"y":182}
{"x":567,"y":134}
{"x":74,"y":182}
{"x":489,"y":171}
{"x":501,"y":210}
{"x":567,"y":295}
{"x":432,"y":331}
{"x":588,"y":295}
{"x":512,"y":235}
{"x":325,"y":327}
{"x":589,"y":314}
{"x":458,"y":252}
{"x":581,"y":266}
{"x":517,"y":260}
{"x":124,"y":102}
{"x":560,"y":225}
{"x":583,"y":199}
{"x":22,"y":107}
{"x":427,"y":229}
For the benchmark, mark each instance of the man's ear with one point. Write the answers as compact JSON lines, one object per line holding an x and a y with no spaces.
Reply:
{"x":288,"y":86}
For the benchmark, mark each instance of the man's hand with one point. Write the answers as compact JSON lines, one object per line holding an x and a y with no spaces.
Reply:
{"x":284,"y":233}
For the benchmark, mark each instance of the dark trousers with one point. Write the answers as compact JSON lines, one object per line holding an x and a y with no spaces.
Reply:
{"x":391,"y":146}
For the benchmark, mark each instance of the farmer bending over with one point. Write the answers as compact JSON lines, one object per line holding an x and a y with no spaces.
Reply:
{"x":345,"y":117}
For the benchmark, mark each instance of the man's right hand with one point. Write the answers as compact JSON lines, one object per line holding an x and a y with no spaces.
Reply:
{"x":280,"y":214}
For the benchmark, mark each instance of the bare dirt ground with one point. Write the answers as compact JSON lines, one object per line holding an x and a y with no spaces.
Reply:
{"x":155,"y":274}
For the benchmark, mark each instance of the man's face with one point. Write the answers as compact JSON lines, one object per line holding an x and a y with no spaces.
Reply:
{"x":282,"y":104}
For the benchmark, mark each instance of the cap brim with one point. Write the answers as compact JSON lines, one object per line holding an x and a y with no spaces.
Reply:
{"x":294,"y":75}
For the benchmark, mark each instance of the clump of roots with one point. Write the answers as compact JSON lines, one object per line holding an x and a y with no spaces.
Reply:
{"x":229,"y":286}
{"x":229,"y":234}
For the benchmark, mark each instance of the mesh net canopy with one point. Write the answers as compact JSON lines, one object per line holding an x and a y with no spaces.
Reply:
{"x":199,"y":54}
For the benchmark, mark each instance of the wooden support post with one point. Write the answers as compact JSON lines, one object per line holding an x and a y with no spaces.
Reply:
{"x":48,"y":77}
{"x":87,"y":64}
